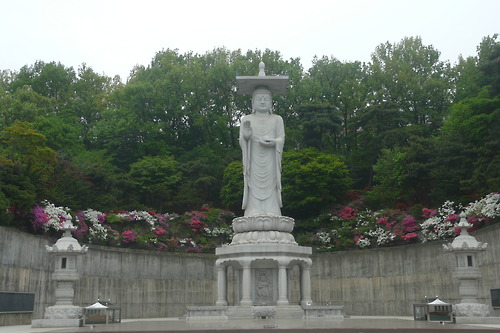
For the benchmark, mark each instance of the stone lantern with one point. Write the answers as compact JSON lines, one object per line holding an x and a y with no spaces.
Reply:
{"x":65,"y":251}
{"x":466,"y":248}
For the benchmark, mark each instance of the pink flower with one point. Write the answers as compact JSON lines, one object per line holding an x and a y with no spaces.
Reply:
{"x":129,"y":236}
{"x":410,"y":236}
{"x":428,"y":213}
{"x":358,"y":238}
{"x":196,"y":225}
{"x":410,"y":224}
{"x":383,"y":220}
{"x":82,"y":226}
{"x":159,"y":231}
{"x":473,"y":220}
{"x":348,"y":213}
{"x":453,"y":218}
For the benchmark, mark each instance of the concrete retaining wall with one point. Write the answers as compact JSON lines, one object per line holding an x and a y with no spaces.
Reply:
{"x":146,"y":284}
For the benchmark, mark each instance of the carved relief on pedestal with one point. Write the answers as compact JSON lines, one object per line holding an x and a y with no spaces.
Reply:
{"x":264,"y":286}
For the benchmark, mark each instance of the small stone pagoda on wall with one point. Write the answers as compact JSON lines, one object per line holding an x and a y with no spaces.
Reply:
{"x":466,"y":249}
{"x":65,"y":253}
{"x":263,"y":251}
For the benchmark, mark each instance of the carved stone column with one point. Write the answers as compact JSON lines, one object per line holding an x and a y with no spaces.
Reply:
{"x":305,"y":283}
{"x":221,"y":285}
{"x":246,"y":297}
{"x":282,"y":285}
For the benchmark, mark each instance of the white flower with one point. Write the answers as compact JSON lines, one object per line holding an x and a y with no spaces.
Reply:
{"x":56,"y":215}
{"x":489,"y":206}
{"x":324,"y":237}
{"x":218,"y":231}
{"x":140,"y":215}
{"x":383,"y":236}
{"x":363,"y":242}
{"x":96,"y":229}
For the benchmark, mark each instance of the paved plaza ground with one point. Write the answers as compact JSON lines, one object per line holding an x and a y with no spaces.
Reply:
{"x":354,"y":324}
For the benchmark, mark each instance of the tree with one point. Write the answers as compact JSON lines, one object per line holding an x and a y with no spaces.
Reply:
{"x":51,"y":80}
{"x":24,"y":104}
{"x":90,"y":99}
{"x":312,"y":181}
{"x":389,"y":178}
{"x":155,"y":179}
{"x":474,"y":124}
{"x":202,"y":177}
{"x":320,"y":126}
{"x":340,"y":85}
{"x":26,"y":164}
{"x":410,"y":75}
{"x":488,"y":63}
{"x":408,"y":93}
{"x":232,"y":189}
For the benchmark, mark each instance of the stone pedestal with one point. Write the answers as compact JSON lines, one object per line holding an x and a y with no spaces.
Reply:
{"x":471,"y":310}
{"x":60,"y":316}
{"x":263,"y":252}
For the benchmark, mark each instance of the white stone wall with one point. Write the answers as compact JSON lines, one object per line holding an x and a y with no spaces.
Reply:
{"x":383,"y":281}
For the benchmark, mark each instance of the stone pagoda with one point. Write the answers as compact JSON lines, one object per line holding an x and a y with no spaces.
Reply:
{"x":65,"y":251}
{"x":466,"y":248}
{"x":263,"y":251}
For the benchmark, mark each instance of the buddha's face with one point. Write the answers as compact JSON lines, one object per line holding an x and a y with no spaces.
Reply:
{"x":261,"y":102}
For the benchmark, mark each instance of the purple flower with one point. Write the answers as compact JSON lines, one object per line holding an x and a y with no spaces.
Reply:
{"x":39,"y":216}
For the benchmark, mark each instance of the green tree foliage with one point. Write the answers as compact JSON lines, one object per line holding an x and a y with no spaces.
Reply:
{"x":155,"y":179}
{"x":96,"y":142}
{"x":488,"y":58}
{"x":312,"y":181}
{"x":339,"y":85}
{"x":410,"y":77}
{"x":51,"y":80}
{"x":408,"y":93}
{"x":232,"y":189}
{"x":26,"y":164}
{"x":460,"y":162}
{"x":320,"y":126}
{"x":390,"y":176}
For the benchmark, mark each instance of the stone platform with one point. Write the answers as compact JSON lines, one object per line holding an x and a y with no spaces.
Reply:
{"x":355,"y":324}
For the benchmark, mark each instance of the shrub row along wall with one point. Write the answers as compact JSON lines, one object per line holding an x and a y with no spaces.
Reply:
{"x":384,"y":281}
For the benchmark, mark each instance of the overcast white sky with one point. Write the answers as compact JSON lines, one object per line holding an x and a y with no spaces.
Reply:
{"x":113,"y":36}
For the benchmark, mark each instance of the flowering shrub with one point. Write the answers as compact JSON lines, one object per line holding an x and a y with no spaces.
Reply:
{"x":191,"y":232}
{"x":49,"y":216}
{"x":487,"y":207}
{"x":96,"y":231}
{"x":204,"y":230}
{"x":348,"y":227}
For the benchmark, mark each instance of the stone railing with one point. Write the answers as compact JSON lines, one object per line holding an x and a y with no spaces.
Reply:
{"x":323,"y":311}
{"x":264,"y":311}
{"x":206,"y":312}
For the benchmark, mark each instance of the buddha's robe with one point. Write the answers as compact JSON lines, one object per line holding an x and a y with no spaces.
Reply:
{"x":262,"y":166}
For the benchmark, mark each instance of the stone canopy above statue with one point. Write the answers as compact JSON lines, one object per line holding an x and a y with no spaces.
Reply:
{"x":276,"y":84}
